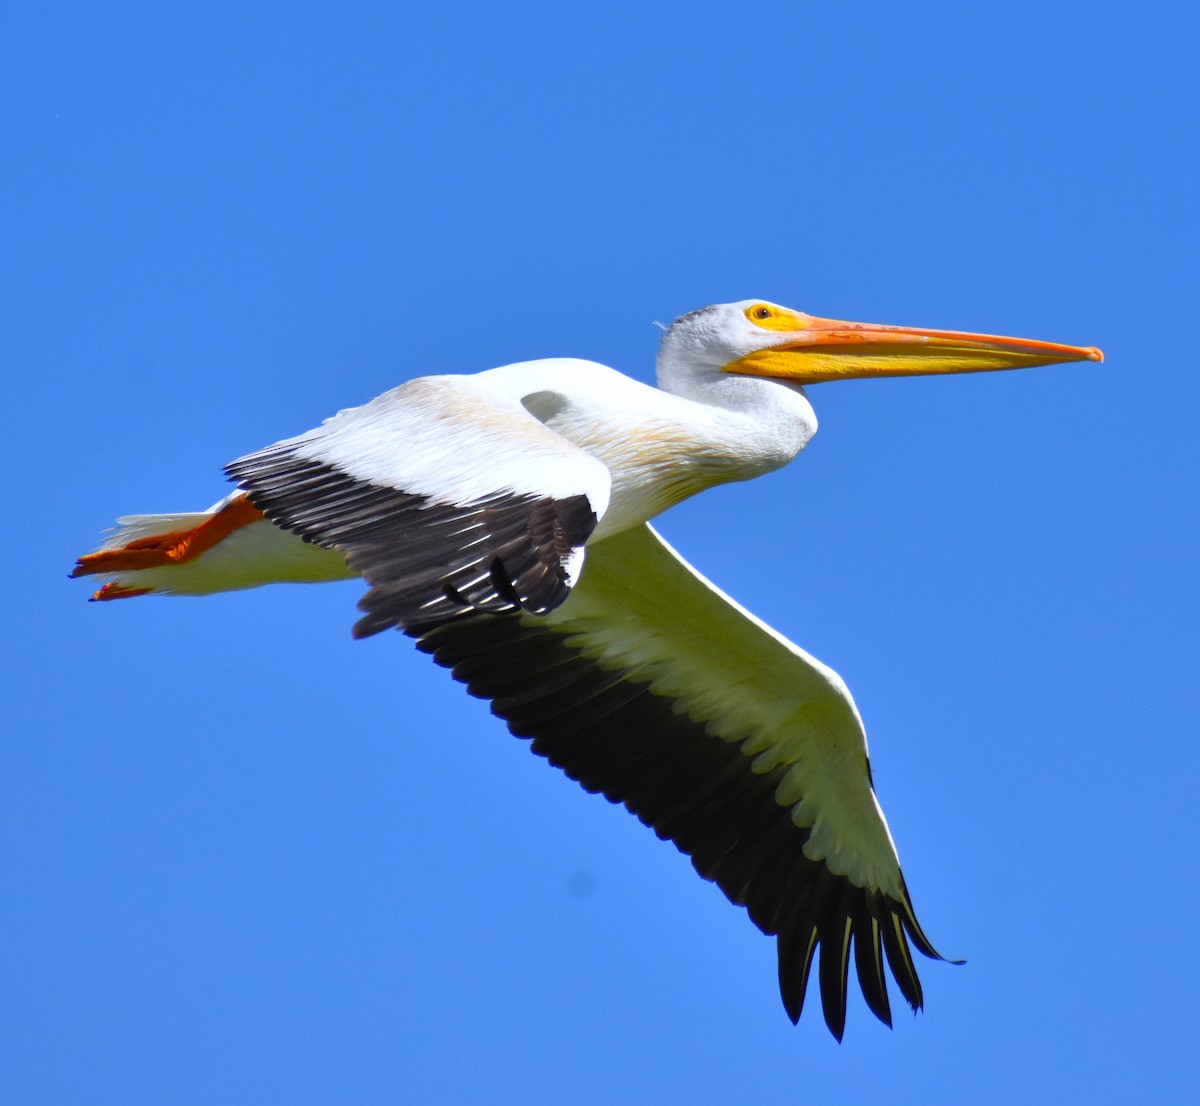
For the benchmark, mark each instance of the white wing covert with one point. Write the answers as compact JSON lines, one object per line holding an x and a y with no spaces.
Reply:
{"x":653,"y":688}
{"x":447,"y":496}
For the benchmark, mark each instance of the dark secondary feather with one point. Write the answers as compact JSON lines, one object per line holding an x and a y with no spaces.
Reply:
{"x":426,"y":561}
{"x":431,"y":564}
{"x":617,"y":737}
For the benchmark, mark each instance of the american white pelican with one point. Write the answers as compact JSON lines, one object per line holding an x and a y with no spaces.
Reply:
{"x":501,"y":520}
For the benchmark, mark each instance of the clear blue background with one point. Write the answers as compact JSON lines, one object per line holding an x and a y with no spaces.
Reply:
{"x":244,"y":859}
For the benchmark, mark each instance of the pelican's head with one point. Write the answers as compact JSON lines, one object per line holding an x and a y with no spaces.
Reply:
{"x":759,"y":338}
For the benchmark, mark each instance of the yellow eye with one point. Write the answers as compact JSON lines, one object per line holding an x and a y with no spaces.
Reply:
{"x":770,"y":317}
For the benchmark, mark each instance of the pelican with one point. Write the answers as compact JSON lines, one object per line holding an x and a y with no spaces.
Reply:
{"x":502,"y":521}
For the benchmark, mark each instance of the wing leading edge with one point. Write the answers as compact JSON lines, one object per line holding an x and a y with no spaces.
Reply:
{"x":654,"y":689}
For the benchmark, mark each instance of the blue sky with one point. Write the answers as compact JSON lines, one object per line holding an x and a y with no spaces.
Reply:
{"x":246,"y":859}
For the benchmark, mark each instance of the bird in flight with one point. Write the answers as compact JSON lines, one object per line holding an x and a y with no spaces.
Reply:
{"x":502,"y":521}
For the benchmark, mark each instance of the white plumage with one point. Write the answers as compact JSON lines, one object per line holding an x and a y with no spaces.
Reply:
{"x":501,"y":520}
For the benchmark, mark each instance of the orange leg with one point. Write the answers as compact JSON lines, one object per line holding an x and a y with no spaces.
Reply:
{"x":174,"y":547}
{"x":116,"y":591}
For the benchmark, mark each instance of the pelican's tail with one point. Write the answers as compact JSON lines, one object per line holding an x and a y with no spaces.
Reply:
{"x":229,"y":546}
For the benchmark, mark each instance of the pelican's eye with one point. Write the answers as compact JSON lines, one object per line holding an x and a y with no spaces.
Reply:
{"x":769,"y":317}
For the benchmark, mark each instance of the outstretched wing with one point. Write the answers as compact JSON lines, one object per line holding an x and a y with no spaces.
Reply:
{"x":447,"y":496}
{"x":655,"y":689}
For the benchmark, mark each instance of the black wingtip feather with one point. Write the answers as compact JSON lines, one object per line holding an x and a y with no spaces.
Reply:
{"x":796,"y":950}
{"x":618,"y":738}
{"x":868,"y":963}
{"x":835,"y":929}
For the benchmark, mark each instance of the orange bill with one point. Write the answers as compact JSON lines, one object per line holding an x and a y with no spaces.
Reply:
{"x":812,"y":350}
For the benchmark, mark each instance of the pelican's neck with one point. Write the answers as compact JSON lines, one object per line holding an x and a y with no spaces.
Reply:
{"x":764,"y":422}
